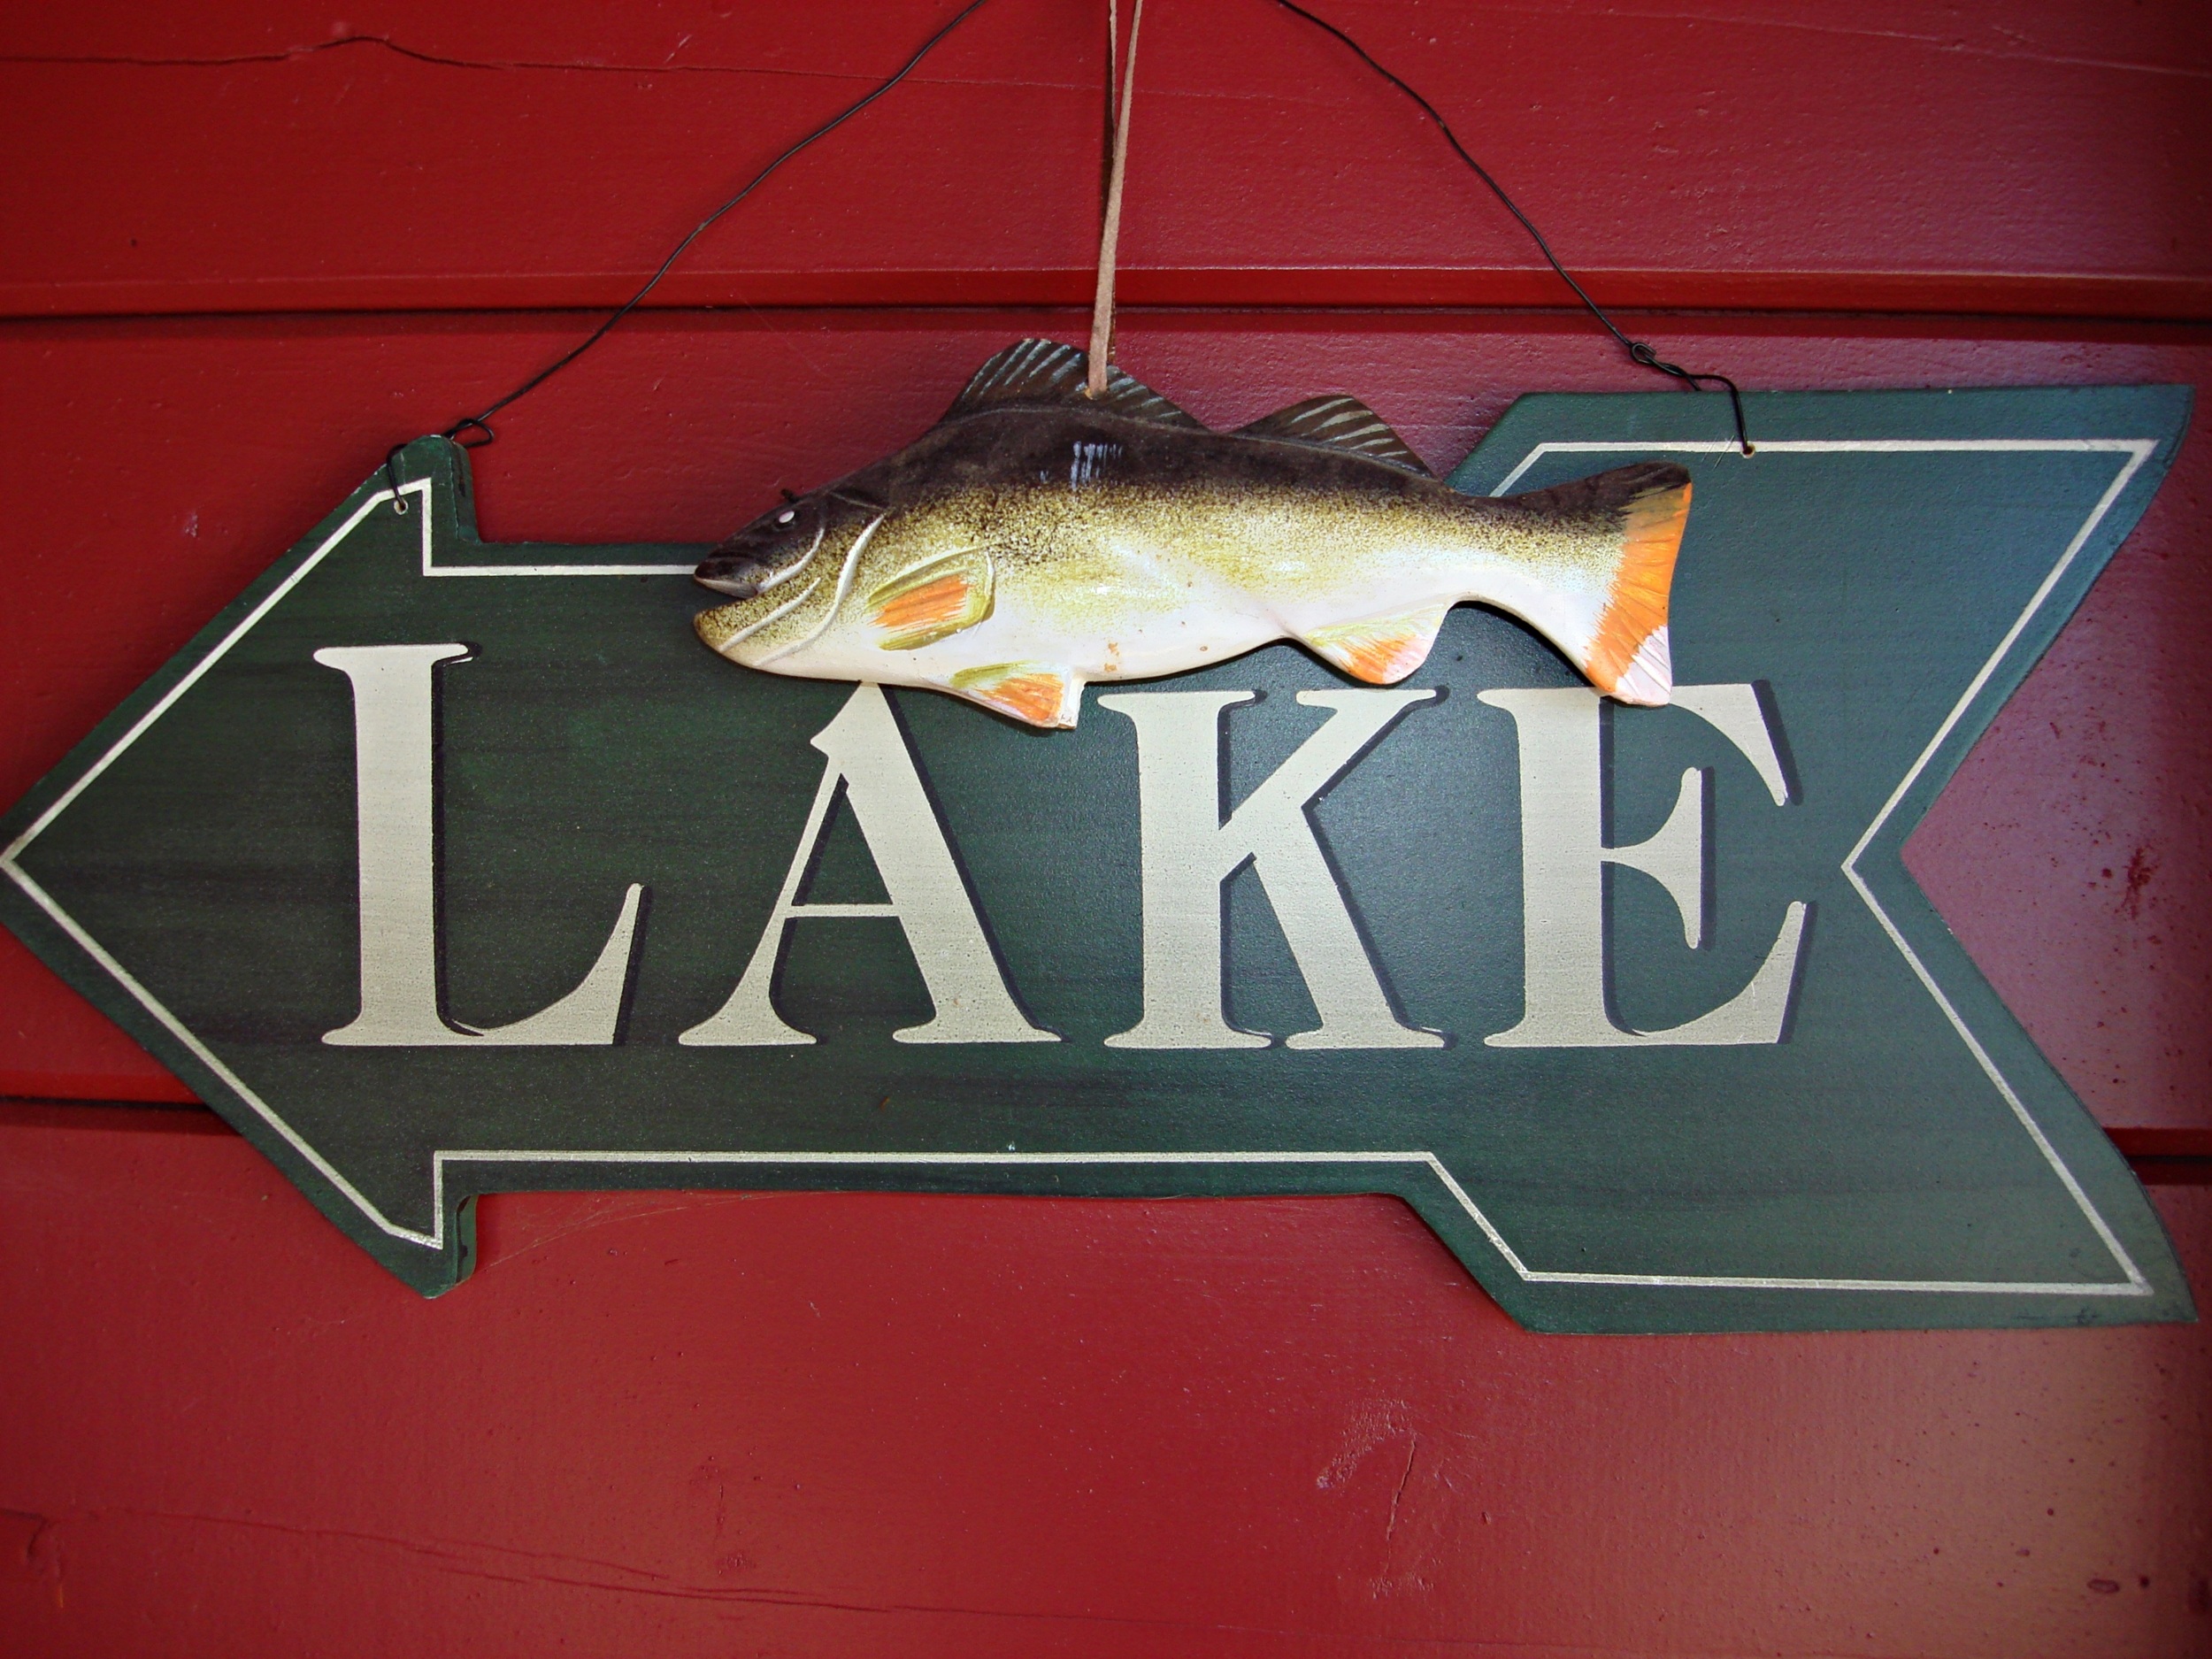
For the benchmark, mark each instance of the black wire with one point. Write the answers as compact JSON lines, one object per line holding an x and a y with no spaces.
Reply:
{"x":482,"y":420}
{"x":1638,"y":351}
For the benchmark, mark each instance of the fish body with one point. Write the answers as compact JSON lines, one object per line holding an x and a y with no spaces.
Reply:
{"x":1036,"y":541}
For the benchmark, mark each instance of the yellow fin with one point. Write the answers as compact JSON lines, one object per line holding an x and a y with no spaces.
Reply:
{"x":1381,"y":650}
{"x":1628,"y":657}
{"x":1038,"y":694}
{"x":932,"y":600}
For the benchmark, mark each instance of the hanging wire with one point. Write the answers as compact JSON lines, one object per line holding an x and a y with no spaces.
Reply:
{"x":1638,"y":351}
{"x":481,"y":422}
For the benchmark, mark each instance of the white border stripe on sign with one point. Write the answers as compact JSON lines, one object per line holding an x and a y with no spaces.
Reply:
{"x":2138,"y":451}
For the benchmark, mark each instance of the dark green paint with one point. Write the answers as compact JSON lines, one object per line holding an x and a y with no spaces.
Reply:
{"x":592,"y":742}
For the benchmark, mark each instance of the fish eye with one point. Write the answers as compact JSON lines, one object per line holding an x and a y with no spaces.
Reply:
{"x":786,"y":516}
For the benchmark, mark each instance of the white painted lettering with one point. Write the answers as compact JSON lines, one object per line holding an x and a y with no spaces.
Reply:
{"x":1563,"y":874}
{"x":395,"y":810}
{"x":868,"y":755}
{"x":1189,"y":853}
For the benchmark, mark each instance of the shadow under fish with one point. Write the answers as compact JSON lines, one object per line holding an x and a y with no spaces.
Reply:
{"x":1036,"y":541}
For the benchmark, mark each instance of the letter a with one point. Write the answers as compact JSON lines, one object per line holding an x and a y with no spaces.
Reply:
{"x":868,"y":755}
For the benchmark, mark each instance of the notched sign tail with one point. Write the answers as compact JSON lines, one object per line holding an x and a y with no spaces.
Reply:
{"x":1547,"y":973}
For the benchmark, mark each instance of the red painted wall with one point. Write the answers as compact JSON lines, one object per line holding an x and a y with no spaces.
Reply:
{"x":834,"y":1424}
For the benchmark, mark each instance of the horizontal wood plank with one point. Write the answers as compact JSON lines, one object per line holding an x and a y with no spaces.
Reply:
{"x":1955,"y":294}
{"x":676,"y":1423}
{"x":2049,"y":162}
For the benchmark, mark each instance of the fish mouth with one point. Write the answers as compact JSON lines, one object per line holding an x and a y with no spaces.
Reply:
{"x":744,"y":575}
{"x":739,"y":577}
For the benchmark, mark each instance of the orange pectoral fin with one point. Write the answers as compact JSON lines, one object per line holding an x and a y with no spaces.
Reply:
{"x":933,"y":601}
{"x":1034,"y":693}
{"x":920,"y":610}
{"x":1381,"y":650}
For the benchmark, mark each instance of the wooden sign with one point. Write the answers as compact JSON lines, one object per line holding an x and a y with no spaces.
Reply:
{"x":441,"y":868}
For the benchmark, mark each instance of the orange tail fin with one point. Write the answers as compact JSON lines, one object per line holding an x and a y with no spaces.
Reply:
{"x":1628,"y":657}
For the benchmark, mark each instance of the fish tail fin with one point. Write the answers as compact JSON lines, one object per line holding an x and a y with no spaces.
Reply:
{"x":1642,"y":510}
{"x":1628,"y":658}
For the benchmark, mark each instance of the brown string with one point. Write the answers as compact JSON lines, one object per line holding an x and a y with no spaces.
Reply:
{"x":1110,"y":232}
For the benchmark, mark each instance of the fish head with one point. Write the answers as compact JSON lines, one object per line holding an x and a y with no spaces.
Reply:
{"x":769,"y":551}
{"x":781,"y":573}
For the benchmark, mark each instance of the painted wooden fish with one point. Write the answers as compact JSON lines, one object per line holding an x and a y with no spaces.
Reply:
{"x":1036,"y":541}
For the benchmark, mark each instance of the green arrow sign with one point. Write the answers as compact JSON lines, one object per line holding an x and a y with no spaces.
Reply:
{"x":441,"y":868}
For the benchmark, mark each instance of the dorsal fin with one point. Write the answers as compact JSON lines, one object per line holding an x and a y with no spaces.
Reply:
{"x":1044,"y":372}
{"x":1338,"y":422}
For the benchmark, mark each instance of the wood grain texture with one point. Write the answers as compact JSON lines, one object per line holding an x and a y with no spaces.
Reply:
{"x":680,"y":1424}
{"x":823,"y":1426}
{"x":1745,"y":153}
